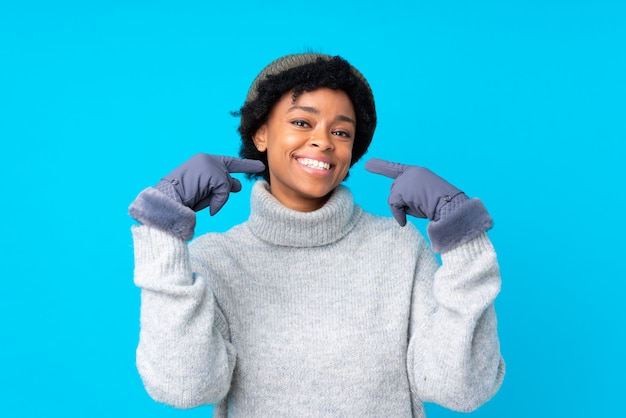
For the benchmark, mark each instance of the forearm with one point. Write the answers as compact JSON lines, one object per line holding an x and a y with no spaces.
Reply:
{"x":184,"y":356}
{"x":454,"y":354}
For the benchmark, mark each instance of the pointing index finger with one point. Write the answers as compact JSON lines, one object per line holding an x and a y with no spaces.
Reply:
{"x":242,"y":165}
{"x":386,"y":168}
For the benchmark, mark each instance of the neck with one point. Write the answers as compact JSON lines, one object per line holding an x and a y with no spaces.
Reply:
{"x":272,"y":221}
{"x":300,"y":203}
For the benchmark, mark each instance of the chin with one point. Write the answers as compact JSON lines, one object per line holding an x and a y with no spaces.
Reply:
{"x":317,"y":192}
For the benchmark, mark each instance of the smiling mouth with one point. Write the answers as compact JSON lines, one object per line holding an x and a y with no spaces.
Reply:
{"x":317,"y":165}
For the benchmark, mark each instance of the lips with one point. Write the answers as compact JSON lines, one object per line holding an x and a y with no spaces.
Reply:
{"x":314,"y":164}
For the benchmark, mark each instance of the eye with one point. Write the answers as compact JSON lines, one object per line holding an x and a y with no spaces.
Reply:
{"x":301,"y":123}
{"x":343,"y":134}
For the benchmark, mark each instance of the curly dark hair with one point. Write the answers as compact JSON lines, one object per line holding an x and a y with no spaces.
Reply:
{"x":322,"y":71}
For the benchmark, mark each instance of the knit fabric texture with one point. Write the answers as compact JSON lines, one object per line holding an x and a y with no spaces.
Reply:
{"x":289,"y":62}
{"x":334,"y":313}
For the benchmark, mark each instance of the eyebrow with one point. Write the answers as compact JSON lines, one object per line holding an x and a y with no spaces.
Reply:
{"x":317,"y":112}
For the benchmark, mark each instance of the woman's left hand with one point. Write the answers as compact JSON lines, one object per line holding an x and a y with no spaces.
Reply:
{"x":416,"y":191}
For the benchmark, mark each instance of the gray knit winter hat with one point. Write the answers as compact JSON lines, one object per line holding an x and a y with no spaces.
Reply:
{"x":293,"y":61}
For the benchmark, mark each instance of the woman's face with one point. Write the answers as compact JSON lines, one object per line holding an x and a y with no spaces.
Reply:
{"x":309,"y":146}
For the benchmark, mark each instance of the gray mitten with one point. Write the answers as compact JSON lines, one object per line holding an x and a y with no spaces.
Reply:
{"x":419,"y":192}
{"x":203,"y":180}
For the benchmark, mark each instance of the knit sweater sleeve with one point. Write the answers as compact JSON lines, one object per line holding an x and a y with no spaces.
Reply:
{"x":184,"y":355}
{"x":454,"y":352}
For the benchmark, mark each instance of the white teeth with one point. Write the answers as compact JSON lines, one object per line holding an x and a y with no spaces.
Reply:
{"x":318,"y":165}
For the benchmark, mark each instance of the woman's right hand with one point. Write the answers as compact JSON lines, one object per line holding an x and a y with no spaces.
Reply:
{"x":205,"y":180}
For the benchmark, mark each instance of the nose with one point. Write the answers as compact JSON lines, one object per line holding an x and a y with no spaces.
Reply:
{"x":322,"y":140}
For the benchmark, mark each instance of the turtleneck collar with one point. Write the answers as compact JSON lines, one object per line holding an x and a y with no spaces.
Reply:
{"x":271,"y":221}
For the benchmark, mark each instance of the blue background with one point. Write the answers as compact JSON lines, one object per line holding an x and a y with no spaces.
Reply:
{"x":521,"y":103}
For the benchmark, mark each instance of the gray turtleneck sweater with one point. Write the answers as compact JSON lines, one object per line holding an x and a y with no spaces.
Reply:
{"x":335,"y":312}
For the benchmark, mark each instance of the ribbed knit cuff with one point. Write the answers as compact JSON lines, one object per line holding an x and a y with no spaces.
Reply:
{"x":161,"y":260}
{"x":154,"y":208}
{"x":459,"y":226}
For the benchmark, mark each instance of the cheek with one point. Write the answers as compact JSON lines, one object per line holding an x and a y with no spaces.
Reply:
{"x":345,"y":156}
{"x":277,"y":160}
{"x":272,"y":159}
{"x":284,"y":142}
{"x":345,"y":151}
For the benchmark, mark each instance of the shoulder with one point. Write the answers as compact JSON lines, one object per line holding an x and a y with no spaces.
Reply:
{"x":219,"y":242}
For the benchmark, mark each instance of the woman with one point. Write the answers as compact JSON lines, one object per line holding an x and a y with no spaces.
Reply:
{"x":314,"y":307}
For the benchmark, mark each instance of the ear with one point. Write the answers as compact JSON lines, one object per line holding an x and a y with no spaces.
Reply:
{"x":260,"y":138}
